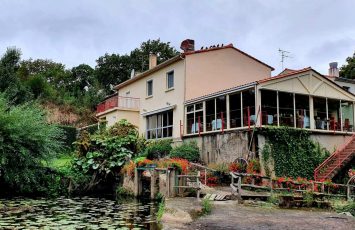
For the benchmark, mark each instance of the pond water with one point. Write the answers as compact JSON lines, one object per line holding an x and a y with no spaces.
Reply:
{"x":77,"y":213}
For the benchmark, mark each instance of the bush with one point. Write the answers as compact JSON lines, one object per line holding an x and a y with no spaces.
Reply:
{"x":206,"y":206}
{"x":69,"y":135}
{"x":104,"y":155}
{"x":158,"y":149}
{"x":26,"y":140}
{"x":188,"y":151}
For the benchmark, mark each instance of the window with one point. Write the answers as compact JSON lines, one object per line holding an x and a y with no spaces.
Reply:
{"x":216,"y":114}
{"x":160,"y":125}
{"x":149,"y":88}
{"x":194,"y":118}
{"x":170,"y":80}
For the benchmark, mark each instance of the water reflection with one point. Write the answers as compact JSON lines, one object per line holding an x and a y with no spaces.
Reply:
{"x":77,"y":213}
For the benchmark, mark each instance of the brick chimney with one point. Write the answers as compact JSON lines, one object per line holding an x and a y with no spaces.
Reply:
{"x":188,"y":45}
{"x":333,"y":69}
{"x":153,"y":59}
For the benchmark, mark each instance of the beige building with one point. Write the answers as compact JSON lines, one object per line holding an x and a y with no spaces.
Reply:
{"x":155,"y":100}
{"x":220,"y":89}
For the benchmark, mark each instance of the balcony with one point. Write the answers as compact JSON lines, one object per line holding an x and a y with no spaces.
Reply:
{"x":118,"y":102}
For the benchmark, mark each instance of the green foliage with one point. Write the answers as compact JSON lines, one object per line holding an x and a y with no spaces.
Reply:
{"x":206,"y":206}
{"x":70,"y":133}
{"x":112,"y":69}
{"x":25,"y":141}
{"x":293,"y":152}
{"x":221,"y":168}
{"x":348,"y":70}
{"x":161,"y":210}
{"x":158,"y":149}
{"x":121,"y":192}
{"x":188,"y":151}
{"x":9,"y":83}
{"x":105,"y":154}
{"x":346,"y":207}
{"x":308,"y":197}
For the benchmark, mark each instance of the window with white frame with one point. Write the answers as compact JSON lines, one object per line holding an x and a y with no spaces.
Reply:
{"x":194,"y":118}
{"x":160,"y":125}
{"x":149,"y":88}
{"x":170,"y":80}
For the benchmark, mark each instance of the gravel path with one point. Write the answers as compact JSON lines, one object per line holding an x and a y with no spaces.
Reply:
{"x":229,"y":215}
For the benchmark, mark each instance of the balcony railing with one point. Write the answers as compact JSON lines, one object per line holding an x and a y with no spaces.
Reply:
{"x":118,"y":102}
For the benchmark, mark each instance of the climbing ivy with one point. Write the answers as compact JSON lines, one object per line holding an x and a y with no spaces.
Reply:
{"x":292,"y":151}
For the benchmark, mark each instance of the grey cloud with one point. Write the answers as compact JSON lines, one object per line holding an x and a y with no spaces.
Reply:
{"x":75,"y":32}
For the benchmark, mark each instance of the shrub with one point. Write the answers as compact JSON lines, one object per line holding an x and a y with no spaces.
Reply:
{"x":253,"y":166}
{"x":347,"y":207}
{"x":188,"y":151}
{"x":221,"y":168}
{"x":103,"y":155}
{"x":206,"y":206}
{"x":70,"y":133}
{"x":26,"y":139}
{"x":158,"y":149}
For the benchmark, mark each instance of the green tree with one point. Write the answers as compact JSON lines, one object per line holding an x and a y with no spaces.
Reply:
{"x":348,"y":70}
{"x":140,"y":56}
{"x":25,"y":141}
{"x":9,"y":83}
{"x":112,"y":69}
{"x":82,"y":78}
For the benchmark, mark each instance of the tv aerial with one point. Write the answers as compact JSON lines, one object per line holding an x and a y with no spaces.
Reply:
{"x":284,"y":54}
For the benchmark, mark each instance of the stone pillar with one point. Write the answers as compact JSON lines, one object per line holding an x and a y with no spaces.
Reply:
{"x":136,"y":182}
{"x":153,"y":184}
{"x":171,"y":188}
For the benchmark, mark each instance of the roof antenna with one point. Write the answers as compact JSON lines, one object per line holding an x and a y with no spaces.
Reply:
{"x":284,"y":54}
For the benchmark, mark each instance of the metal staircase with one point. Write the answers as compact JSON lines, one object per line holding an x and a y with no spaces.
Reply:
{"x":335,"y":162}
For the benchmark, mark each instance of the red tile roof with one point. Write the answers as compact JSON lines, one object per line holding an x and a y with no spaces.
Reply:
{"x":225,"y":47}
{"x":286,"y":75}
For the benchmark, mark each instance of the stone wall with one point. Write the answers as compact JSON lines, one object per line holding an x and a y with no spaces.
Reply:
{"x":128,"y":183}
{"x":218,"y":148}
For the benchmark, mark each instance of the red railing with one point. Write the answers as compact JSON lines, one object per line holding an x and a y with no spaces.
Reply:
{"x":333,"y":158}
{"x":118,"y":102}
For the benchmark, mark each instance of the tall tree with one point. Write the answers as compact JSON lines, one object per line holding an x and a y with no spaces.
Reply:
{"x":9,"y":83}
{"x":140,"y":56}
{"x":82,"y":78}
{"x":9,"y":64}
{"x":348,"y":70}
{"x":112,"y":69}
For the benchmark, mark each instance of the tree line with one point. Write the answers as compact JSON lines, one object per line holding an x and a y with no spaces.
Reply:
{"x":81,"y":87}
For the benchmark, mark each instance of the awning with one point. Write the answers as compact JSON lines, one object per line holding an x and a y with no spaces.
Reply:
{"x":171,"y":107}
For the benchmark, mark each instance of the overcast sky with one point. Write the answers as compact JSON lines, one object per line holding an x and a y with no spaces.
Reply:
{"x":79,"y":31}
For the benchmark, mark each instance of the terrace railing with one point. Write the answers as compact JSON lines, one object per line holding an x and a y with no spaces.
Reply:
{"x":118,"y":102}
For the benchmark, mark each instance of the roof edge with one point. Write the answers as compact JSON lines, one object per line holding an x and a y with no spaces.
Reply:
{"x":150,"y":71}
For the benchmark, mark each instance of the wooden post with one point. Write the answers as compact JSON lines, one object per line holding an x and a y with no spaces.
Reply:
{"x":167,"y":183}
{"x":239,"y":186}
